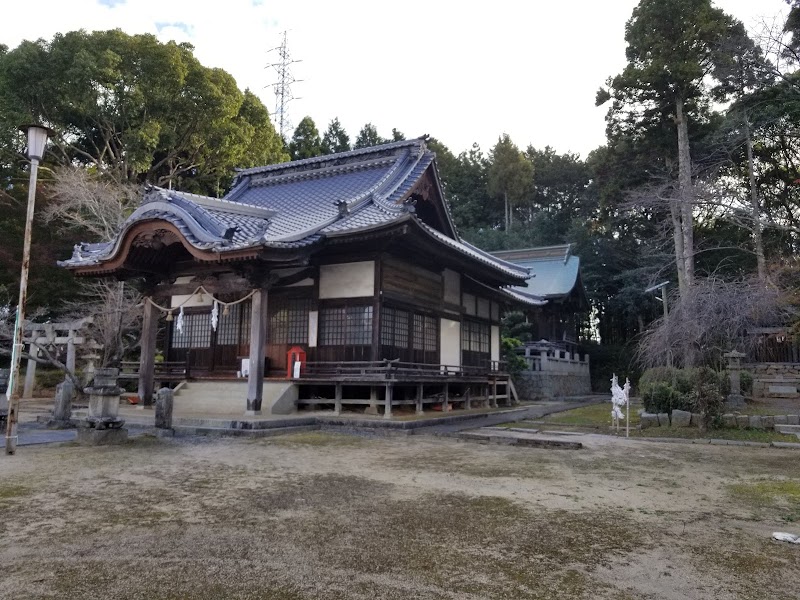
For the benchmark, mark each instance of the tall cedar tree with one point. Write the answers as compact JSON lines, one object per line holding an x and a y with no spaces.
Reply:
{"x":335,"y":138}
{"x":305,"y":141}
{"x":368,"y":136}
{"x":672,"y":48}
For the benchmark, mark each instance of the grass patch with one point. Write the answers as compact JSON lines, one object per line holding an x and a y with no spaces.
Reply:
{"x":782,"y":495}
{"x":742,"y":435}
{"x":9,"y":492}
{"x":593,"y":415}
{"x":471,"y":462}
{"x":767,"y":492}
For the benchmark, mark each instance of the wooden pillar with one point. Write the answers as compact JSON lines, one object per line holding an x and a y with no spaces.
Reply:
{"x":258,"y":339}
{"x":467,"y":400}
{"x":494,"y":393}
{"x":419,"y":399}
{"x":30,"y":371}
{"x":387,"y":411}
{"x":147,"y":356}
{"x":375,"y":354}
{"x":337,"y":407}
{"x":446,"y":398}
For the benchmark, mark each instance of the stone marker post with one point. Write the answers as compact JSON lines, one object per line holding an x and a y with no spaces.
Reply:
{"x":164,"y":410}
{"x":735,"y":398}
{"x":103,"y":425}
{"x":62,"y":410}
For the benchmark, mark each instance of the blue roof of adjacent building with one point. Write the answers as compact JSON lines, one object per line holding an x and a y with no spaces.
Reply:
{"x":301,"y":203}
{"x":555,"y":271}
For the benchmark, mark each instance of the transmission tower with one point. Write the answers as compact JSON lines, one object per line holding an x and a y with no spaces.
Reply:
{"x":283,"y":86}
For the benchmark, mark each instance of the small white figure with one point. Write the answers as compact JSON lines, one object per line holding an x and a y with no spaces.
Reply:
{"x":620,"y":398}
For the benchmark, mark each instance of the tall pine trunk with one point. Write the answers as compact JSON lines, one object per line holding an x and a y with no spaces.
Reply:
{"x":686,"y":193}
{"x":506,"y":211}
{"x":756,"y":212}
{"x":677,"y":237}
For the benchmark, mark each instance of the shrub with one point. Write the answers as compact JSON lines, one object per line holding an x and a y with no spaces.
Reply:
{"x":664,"y":389}
{"x":514,"y":362}
{"x":707,"y":396}
{"x":746,"y":379}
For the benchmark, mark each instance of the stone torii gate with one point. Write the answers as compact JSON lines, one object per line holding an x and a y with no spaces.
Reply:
{"x":52,"y":334}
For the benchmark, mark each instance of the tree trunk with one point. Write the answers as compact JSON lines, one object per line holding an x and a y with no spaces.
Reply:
{"x":677,"y":236}
{"x":505,"y":208}
{"x":757,"y":238}
{"x":686,"y":193}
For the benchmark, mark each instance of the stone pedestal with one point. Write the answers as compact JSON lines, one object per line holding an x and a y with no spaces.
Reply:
{"x":103,"y":425}
{"x":734,"y":402}
{"x":62,"y":409}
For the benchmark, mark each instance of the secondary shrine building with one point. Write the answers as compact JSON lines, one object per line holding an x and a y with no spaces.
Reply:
{"x":349,"y":262}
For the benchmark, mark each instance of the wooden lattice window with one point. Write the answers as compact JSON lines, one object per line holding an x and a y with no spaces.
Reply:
{"x":228,"y":326}
{"x":394,"y":327}
{"x":475,"y":343}
{"x":288,"y":322}
{"x":196,"y":331}
{"x":425,"y":333}
{"x":345,"y":326}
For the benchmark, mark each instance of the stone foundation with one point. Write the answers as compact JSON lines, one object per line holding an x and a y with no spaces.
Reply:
{"x":539,"y":384}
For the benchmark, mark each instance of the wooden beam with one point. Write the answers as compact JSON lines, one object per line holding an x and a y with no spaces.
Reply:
{"x":147,"y":356}
{"x":258,"y":338}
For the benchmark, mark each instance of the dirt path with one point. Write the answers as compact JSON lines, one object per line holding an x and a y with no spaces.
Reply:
{"x":321,"y":515}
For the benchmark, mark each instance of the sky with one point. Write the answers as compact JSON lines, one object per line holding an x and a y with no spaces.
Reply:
{"x":462,"y":71}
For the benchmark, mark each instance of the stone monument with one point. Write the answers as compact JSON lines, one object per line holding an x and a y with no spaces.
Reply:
{"x":62,"y":410}
{"x":103,"y":424}
{"x":163,"y":420}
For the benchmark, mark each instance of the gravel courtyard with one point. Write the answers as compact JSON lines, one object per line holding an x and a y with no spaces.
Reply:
{"x":323,"y":515}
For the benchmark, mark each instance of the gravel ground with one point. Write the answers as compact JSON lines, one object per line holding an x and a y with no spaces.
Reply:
{"x":326,"y":515}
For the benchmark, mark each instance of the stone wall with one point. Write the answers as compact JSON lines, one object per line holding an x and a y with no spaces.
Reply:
{"x":775,"y":380}
{"x":537,"y":384}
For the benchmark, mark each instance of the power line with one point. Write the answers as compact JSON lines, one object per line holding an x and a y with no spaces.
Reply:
{"x":283,"y":86}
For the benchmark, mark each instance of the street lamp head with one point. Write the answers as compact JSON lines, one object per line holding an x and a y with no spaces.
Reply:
{"x":37,"y":140}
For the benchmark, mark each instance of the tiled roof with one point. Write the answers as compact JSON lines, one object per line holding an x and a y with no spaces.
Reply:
{"x":556,"y":271}
{"x":298,"y":204}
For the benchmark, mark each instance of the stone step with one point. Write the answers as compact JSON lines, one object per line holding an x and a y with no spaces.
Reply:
{"x":788,"y":429}
{"x":250,"y":433}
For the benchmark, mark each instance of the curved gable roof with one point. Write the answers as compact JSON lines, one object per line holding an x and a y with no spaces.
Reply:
{"x":300,"y":203}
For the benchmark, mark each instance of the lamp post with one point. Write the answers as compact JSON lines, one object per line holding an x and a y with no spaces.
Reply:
{"x":37,"y":140}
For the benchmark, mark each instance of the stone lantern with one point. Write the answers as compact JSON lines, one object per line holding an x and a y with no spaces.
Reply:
{"x":103,"y":425}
